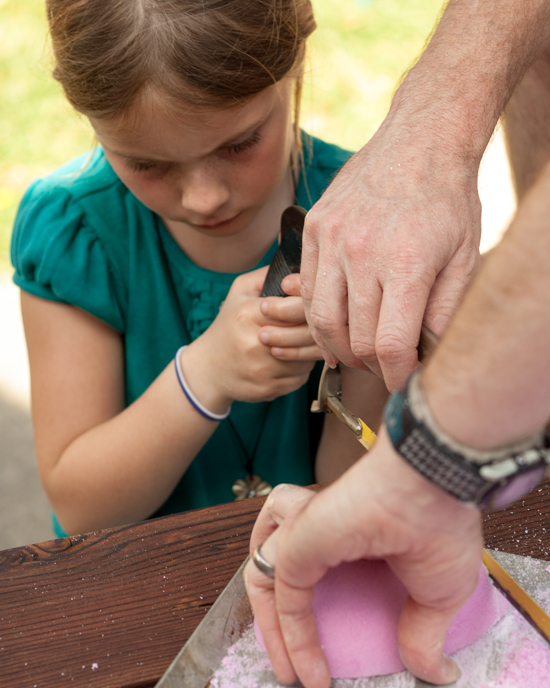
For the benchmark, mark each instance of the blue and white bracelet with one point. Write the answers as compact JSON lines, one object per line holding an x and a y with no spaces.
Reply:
{"x":191,"y":398}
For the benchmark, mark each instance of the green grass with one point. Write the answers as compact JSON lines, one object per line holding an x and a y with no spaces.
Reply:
{"x":357,"y":56}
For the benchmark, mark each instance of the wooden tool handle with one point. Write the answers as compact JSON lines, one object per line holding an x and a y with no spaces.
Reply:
{"x":427,"y":343}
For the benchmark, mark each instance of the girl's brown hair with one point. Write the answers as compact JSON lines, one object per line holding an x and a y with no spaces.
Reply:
{"x":108,"y":53}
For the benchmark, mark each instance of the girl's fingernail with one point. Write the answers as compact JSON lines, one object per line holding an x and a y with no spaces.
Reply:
{"x":286,"y":283}
{"x":264,"y":307}
{"x":264,"y":337}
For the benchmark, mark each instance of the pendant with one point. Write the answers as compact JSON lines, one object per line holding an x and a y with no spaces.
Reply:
{"x":251,"y":486}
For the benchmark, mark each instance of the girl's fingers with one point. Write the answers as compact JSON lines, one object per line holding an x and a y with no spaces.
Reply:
{"x":296,"y":335}
{"x":291,"y":284}
{"x":289,"y":309}
{"x":296,"y":381}
{"x":302,"y":353}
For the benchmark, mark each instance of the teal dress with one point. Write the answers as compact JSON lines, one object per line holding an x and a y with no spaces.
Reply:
{"x":82,"y":238}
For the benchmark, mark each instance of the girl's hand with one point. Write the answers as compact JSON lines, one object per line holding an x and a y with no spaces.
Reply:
{"x":229,"y":362}
{"x":289,"y":337}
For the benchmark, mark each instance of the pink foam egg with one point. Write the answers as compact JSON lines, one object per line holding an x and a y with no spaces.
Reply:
{"x":357,"y":607}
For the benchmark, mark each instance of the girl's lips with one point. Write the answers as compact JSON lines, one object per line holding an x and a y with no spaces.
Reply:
{"x":218,"y":225}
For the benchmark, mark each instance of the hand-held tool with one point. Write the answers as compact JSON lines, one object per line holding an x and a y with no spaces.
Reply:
{"x":286,"y":260}
{"x":330,"y":392}
{"x":426,"y":344}
{"x":328,"y":401}
{"x":288,"y":256}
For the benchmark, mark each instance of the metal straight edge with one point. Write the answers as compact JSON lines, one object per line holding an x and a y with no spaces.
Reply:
{"x":231,"y":615}
{"x":222,"y":626}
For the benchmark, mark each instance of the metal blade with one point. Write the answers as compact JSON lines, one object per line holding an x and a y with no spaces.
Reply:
{"x":223,"y":625}
{"x":231,"y":615}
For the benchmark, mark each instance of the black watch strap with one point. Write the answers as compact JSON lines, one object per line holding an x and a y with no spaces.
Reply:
{"x":497,"y":481}
{"x":418,"y":446}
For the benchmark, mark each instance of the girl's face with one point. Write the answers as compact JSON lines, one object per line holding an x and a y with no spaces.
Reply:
{"x":209,"y":170}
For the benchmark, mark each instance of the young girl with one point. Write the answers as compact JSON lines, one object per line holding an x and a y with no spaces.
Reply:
{"x":128,"y":256}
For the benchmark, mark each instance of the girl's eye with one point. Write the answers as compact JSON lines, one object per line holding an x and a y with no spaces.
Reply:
{"x":244,"y":145}
{"x":137,"y":166}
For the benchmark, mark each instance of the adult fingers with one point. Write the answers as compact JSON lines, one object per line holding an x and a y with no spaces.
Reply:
{"x":305,"y":551}
{"x":400,"y":321}
{"x":437,"y":590}
{"x":299,"y":630}
{"x":283,"y":504}
{"x":328,"y":316}
{"x":364,"y":313}
{"x":309,"y":264}
{"x":449,"y":288}
{"x":261,"y":593}
{"x":440,"y":573}
{"x":282,"y":501}
{"x":421,"y":635}
{"x":311,"y":290}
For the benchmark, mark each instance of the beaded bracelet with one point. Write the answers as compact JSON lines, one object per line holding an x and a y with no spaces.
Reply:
{"x":191,"y":398}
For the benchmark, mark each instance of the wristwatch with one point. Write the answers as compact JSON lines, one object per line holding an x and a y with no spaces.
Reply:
{"x":489,"y":479}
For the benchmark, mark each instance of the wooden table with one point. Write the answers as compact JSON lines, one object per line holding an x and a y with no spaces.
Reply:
{"x":113,"y":608}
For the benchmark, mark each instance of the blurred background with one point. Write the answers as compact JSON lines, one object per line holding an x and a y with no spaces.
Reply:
{"x":358,"y":54}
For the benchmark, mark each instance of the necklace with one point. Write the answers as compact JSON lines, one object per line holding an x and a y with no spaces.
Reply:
{"x":252,"y":485}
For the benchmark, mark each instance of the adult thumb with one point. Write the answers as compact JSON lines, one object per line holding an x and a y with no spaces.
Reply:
{"x":421,"y":636}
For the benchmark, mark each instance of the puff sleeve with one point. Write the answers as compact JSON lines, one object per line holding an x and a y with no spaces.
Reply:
{"x":57,"y":254}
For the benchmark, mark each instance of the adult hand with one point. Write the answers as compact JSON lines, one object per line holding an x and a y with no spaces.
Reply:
{"x":380,"y":508}
{"x":229,"y":362}
{"x":393,"y":241}
{"x":290,"y":338}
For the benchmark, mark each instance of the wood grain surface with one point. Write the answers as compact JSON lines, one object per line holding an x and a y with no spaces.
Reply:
{"x":113,"y":608}
{"x":524,"y":527}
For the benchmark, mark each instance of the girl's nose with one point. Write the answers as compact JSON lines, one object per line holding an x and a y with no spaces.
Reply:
{"x":203,"y":192}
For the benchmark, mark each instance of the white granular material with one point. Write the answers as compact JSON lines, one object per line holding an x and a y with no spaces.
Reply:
{"x":510,"y":655}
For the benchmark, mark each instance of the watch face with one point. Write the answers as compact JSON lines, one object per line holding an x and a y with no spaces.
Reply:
{"x":504,"y":494}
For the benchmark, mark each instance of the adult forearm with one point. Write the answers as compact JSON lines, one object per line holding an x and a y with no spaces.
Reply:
{"x":477,"y":55}
{"x":489,"y":381}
